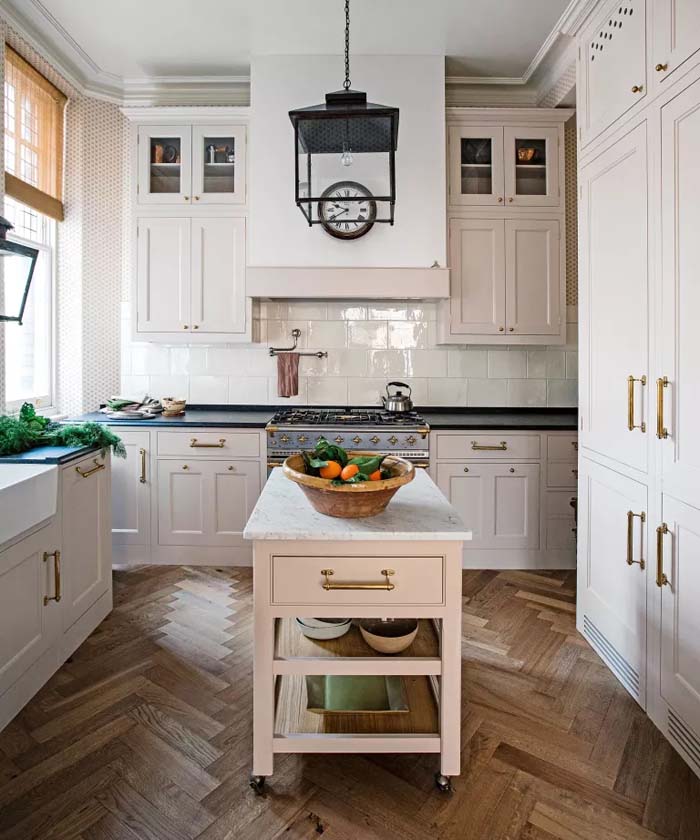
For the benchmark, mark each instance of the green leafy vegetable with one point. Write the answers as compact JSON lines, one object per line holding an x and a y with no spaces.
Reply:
{"x":29,"y":430}
{"x":367,"y":464}
{"x":356,"y":479}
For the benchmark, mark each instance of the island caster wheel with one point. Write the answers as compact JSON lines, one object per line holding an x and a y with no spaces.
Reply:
{"x":257,"y":783}
{"x":443,"y":783}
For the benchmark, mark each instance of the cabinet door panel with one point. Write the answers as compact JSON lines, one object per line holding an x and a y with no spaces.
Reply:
{"x":680,"y":337}
{"x":498,"y":502}
{"x":28,"y":628}
{"x":612,"y":66}
{"x":131,"y":491}
{"x":218,"y":275}
{"x":182,"y":502}
{"x":163,"y":271}
{"x":533,"y":278}
{"x":613,"y":302}
{"x":676,"y":35}
{"x":477,"y":279}
{"x":531,"y":166}
{"x":612,"y":594}
{"x":164,"y":164}
{"x":680,"y":618}
{"x":235,"y":486}
{"x":87,"y":556}
{"x":218,"y":164}
{"x":476,"y":165}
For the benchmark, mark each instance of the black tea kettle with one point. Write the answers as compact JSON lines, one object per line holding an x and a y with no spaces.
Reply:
{"x":397,"y":403}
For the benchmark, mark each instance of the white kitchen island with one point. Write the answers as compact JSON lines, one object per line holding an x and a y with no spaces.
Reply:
{"x":404,"y":563}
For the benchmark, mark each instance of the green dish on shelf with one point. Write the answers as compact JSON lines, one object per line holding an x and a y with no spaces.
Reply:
{"x":355,"y":694}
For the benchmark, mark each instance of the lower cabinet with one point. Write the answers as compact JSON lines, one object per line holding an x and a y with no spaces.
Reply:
{"x":131,"y":490}
{"x":613,"y":566}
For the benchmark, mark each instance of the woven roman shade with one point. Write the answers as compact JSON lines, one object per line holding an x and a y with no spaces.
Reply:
{"x":33,"y":137}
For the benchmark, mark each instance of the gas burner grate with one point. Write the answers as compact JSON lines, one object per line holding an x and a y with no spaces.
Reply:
{"x":344,"y":417}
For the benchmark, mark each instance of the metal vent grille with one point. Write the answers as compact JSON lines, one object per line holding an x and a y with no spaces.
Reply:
{"x":617,"y":663}
{"x":685,"y":739}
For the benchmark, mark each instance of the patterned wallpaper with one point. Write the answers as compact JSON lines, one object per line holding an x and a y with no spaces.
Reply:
{"x":570,"y":152}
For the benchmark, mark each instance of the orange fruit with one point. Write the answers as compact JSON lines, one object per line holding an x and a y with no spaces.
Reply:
{"x":349,"y":471}
{"x":331,"y":470}
{"x":376,"y":475}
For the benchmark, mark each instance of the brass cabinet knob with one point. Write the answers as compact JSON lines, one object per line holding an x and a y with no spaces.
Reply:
{"x":501,"y":329}
{"x":660,"y":68}
{"x":375,"y":439}
{"x":637,"y":88}
{"x":196,"y":198}
{"x":231,"y":468}
{"x":185,"y":467}
{"x":500,"y":199}
{"x":466,"y":469}
{"x":511,"y":469}
{"x":195,"y":327}
{"x":511,"y":329}
{"x":510,"y":200}
{"x":185,"y":327}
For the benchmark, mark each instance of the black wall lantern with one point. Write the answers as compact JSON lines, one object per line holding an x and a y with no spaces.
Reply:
{"x":346,"y":125}
{"x":17,"y":266}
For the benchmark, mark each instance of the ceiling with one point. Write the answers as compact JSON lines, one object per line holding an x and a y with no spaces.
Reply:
{"x":110,"y":47}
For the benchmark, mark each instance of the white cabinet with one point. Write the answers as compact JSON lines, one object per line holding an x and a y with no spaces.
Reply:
{"x":86,"y":556}
{"x":613,"y":302}
{"x":499,"y":503}
{"x":29,"y":624}
{"x":205,"y":502}
{"x":190,"y":164}
{"x":191,"y":277}
{"x":531,"y":167}
{"x":613,"y":560}
{"x":676,"y":36}
{"x":612,"y":66}
{"x":131,"y":490}
{"x":476,"y":165}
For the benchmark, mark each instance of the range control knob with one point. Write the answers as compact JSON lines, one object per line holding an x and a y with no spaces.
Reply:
{"x":285,"y":438}
{"x":393,"y":440}
{"x":410,"y":440}
{"x":338,"y":439}
{"x":302,"y":438}
{"x":375,"y":439}
{"x":357,"y":440}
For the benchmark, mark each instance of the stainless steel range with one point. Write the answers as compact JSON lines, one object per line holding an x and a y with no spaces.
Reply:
{"x":366,"y":429}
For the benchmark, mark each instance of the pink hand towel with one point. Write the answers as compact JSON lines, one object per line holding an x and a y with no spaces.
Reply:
{"x":287,"y":374}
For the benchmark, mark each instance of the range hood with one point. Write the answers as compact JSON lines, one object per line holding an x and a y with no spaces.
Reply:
{"x":289,"y":259}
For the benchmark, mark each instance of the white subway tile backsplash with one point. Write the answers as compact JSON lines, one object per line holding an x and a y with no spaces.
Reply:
{"x":507,"y":364}
{"x":426,"y":363}
{"x":347,"y":363}
{"x":347,"y":311}
{"x":247,"y":390}
{"x":388,"y":363}
{"x":545,"y":364}
{"x":150,"y":359}
{"x":325,"y":335}
{"x":387,"y":312}
{"x":571,"y":365}
{"x":135,"y":387}
{"x":170,"y":386}
{"x":527,"y":392}
{"x":368,"y":334}
{"x":562,"y":392}
{"x":408,"y":334}
{"x":488,"y":393}
{"x":327,"y":390}
{"x":209,"y":389}
{"x":274,"y":398}
{"x":444,"y":391}
{"x":365,"y":391}
{"x":467,"y":363}
{"x":307,"y":310}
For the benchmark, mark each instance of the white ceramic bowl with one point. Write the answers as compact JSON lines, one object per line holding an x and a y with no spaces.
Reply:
{"x":317,"y":628}
{"x":390,"y":636}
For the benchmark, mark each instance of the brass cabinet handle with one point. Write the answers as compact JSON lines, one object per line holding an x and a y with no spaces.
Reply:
{"x":477,"y":447}
{"x":630,"y":538}
{"x":142,"y":477}
{"x":186,"y":197}
{"x":661,"y":430}
{"x":195,"y":445}
{"x":387,"y":585}
{"x":661,"y":68}
{"x":630,"y":403}
{"x":87,"y":473}
{"x":500,"y":199}
{"x":661,"y":531}
{"x":637,"y":88}
{"x":56,"y":575}
{"x":501,"y":329}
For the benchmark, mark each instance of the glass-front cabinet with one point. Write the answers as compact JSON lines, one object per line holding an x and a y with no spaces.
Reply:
{"x":200,"y":164}
{"x":516,"y":166}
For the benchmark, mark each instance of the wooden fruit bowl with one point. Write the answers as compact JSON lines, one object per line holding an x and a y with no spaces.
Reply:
{"x":350,"y":501}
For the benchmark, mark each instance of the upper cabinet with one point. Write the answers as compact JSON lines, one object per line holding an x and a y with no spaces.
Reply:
{"x":505,"y":166}
{"x":676,"y":37}
{"x":191,"y":164}
{"x":612,"y":66}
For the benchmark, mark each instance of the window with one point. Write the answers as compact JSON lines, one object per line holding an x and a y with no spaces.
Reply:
{"x":33,"y":137}
{"x":29,"y":348}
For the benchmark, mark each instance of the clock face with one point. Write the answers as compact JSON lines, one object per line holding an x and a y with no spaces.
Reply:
{"x":347,"y":210}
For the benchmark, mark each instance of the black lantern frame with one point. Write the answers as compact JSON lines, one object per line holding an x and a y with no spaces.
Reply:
{"x":346,"y":122}
{"x":7,"y":249}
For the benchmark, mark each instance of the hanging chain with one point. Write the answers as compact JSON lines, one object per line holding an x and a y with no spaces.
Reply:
{"x":346,"y":83}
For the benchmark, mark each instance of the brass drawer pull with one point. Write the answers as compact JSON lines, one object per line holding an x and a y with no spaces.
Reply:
{"x":630,"y":537}
{"x":478,"y":447}
{"x":219,"y":445}
{"x":630,"y":403}
{"x":142,"y":477}
{"x":386,"y":586}
{"x":637,"y":88}
{"x":661,"y":531}
{"x":661,"y":430}
{"x":660,"y":68}
{"x":98,"y":466}
{"x":56,"y":575}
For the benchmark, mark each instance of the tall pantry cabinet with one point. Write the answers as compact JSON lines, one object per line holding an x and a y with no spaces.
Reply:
{"x":638,"y":88}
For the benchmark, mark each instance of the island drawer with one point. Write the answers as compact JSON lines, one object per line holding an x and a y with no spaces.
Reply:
{"x":300,"y":580}
{"x":220,"y":444}
{"x":561,"y":474}
{"x":562,"y":448}
{"x":488,"y":446}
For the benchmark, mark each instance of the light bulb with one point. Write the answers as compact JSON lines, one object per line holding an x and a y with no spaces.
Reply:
{"x":346,"y":158}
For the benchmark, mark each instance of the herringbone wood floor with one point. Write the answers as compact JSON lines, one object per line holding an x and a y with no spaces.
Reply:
{"x":146,"y":733}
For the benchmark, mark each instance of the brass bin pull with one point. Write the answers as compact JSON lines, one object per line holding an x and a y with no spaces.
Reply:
{"x":387,"y":585}
{"x":195,"y":445}
{"x":56,"y":575}
{"x":661,"y":430}
{"x":630,"y":403}
{"x":478,"y":447}
{"x":142,"y":477}
{"x":87,"y":473}
{"x":661,"y":531}
{"x":630,"y":538}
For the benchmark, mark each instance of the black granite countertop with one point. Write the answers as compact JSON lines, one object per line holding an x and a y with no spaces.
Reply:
{"x":256,"y":417}
{"x":48,"y":455}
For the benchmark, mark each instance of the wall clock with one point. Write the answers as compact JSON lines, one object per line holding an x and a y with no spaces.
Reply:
{"x":347,"y":210}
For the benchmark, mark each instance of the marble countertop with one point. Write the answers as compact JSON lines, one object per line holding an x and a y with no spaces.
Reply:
{"x":48,"y":455}
{"x":419,"y":511}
